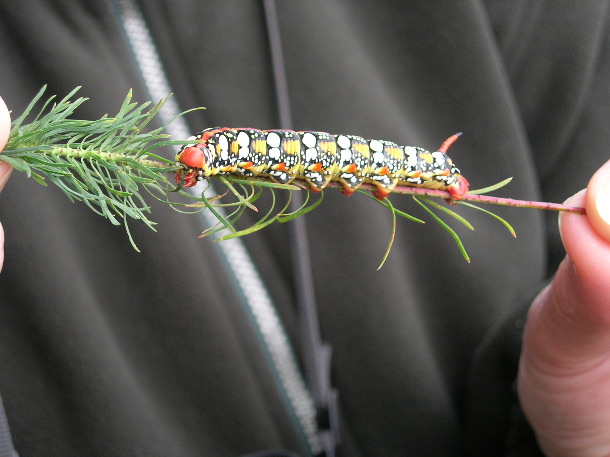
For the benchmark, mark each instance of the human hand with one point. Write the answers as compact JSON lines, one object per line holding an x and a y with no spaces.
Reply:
{"x":5,"y":169}
{"x":564,"y":373}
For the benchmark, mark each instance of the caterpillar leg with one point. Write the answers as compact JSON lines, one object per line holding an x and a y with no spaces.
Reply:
{"x":381,"y":193}
{"x":350,"y":182}
{"x":385,"y":186}
{"x":280,"y":177}
{"x":190,"y":179}
{"x":316,"y":180}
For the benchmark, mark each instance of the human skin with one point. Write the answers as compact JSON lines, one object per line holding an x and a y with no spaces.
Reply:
{"x":564,"y":374}
{"x":5,"y":169}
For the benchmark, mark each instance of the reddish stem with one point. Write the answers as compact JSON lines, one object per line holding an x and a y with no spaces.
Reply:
{"x":479,"y":198}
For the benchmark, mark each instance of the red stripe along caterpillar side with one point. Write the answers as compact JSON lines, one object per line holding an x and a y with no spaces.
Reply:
{"x":318,"y":158}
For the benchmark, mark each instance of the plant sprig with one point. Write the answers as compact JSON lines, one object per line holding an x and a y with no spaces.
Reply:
{"x":105,"y":163}
{"x":108,"y":164}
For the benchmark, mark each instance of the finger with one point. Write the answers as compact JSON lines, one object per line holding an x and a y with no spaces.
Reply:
{"x":5,"y":124}
{"x":5,"y":128}
{"x":564,"y":370}
{"x":587,"y":243}
{"x":570,"y":319}
{"x":5,"y":169}
{"x":597,"y":201}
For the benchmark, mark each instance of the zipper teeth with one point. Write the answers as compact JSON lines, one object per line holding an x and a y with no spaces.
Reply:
{"x":242,"y":269}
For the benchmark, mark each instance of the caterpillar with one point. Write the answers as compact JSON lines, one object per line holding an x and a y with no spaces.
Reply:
{"x":318,"y":158}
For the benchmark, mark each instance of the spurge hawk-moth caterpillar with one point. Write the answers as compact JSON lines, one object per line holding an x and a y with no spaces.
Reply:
{"x":318,"y":158}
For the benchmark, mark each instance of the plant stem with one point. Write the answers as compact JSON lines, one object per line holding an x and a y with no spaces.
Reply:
{"x":479,"y":198}
{"x":524,"y":203}
{"x":119,"y":158}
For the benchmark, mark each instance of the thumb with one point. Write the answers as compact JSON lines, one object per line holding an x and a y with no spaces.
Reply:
{"x":587,"y":243}
{"x":565,"y":366}
{"x":570,"y":319}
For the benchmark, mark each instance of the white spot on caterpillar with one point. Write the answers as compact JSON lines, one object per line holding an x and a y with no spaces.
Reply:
{"x":343,"y":142}
{"x":274,"y":153}
{"x":410,"y":156}
{"x":273,"y":140}
{"x":223,"y":142}
{"x":243,"y":139}
{"x":309,"y":140}
{"x":376,"y":145}
{"x":378,"y":158}
{"x":345,"y":157}
{"x":311,"y":155}
{"x":439,"y":159}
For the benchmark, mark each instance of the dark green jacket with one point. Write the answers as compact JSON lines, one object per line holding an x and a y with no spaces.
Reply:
{"x":108,"y":352}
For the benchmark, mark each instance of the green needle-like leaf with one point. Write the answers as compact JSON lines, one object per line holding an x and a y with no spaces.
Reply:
{"x":392,"y":236}
{"x":491,"y":188}
{"x":448,"y":211}
{"x":495,"y":216}
{"x":452,"y":232}
{"x":388,"y":205}
{"x":304,"y":209}
{"x":265,"y":221}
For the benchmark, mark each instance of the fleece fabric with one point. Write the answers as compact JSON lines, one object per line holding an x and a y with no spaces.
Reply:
{"x":108,"y":352}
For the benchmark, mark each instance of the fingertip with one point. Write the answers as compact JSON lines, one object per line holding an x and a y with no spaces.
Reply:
{"x":581,"y":283}
{"x":5,"y":124}
{"x":587,"y":238}
{"x":576,"y":200}
{"x":597,"y":201}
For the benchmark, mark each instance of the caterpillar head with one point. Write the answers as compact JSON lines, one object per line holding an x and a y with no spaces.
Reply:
{"x":193,"y":159}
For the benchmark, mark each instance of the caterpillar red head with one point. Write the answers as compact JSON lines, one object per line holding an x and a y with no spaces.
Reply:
{"x":194,"y":160}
